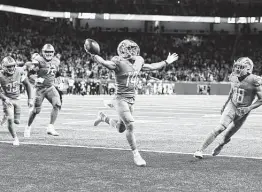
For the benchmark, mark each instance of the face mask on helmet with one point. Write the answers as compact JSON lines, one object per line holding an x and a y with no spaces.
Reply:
{"x":128,"y":49}
{"x":48,"y":52}
{"x":243,"y":66}
{"x":8,"y":65}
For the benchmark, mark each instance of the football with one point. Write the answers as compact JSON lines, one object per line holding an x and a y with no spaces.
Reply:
{"x":92,"y":46}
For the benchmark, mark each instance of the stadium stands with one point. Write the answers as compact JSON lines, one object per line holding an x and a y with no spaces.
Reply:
{"x":223,"y":8}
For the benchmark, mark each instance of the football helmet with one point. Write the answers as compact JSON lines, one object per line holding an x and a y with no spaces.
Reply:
{"x":242,"y":66}
{"x":8,"y":65}
{"x":48,"y":52}
{"x":127,"y":49}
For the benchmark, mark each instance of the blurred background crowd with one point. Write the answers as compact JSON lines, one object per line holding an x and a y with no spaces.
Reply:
{"x":222,"y":8}
{"x":204,"y":58}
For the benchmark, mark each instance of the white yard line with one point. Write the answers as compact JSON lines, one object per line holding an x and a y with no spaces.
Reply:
{"x":124,"y":149}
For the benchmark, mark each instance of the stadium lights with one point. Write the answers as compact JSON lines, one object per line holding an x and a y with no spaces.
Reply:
{"x":130,"y":17}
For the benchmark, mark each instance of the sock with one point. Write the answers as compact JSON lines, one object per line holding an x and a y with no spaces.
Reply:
{"x":135,"y":152}
{"x":211,"y":137}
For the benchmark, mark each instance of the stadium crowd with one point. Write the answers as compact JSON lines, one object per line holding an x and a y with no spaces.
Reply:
{"x":223,"y":8}
{"x":201,"y":58}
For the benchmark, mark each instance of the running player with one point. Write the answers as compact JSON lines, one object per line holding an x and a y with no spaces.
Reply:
{"x":45,"y":67}
{"x":10,"y":80}
{"x":126,"y":66}
{"x":244,"y":88}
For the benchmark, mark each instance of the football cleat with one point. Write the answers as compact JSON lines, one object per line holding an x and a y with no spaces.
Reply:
{"x":139,"y":161}
{"x":16,"y":141}
{"x":100,"y":118}
{"x":198,"y":154}
{"x":27,"y":131}
{"x":51,"y":131}
{"x":218,"y":149}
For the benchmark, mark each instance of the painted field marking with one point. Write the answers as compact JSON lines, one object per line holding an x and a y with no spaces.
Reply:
{"x":124,"y":149}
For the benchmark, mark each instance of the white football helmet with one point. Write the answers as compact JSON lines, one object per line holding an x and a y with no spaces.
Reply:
{"x":127,"y":49}
{"x":242,"y":66}
{"x":8,"y":65}
{"x":48,"y":52}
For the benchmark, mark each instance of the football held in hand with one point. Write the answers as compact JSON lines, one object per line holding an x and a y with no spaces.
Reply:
{"x":92,"y":46}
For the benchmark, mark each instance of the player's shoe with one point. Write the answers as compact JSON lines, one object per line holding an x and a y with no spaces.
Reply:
{"x":27,"y":131}
{"x":109,"y":104}
{"x":139,"y":161}
{"x":198,"y":154}
{"x":218,"y":149}
{"x":100,"y":118}
{"x":51,"y":130}
{"x":16,"y":141}
{"x":3,"y":121}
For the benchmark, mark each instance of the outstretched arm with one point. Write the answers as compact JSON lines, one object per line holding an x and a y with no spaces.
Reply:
{"x":106,"y":63}
{"x":155,"y":66}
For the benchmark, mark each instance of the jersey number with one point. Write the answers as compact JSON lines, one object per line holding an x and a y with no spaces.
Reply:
{"x":51,"y":70}
{"x":238,"y":95}
{"x":12,"y":87}
{"x":132,"y":78}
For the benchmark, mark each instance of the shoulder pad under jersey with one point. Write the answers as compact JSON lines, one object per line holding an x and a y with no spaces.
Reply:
{"x":233,"y":78}
{"x":141,"y":59}
{"x":21,"y":71}
{"x":38,"y":58}
{"x":116,"y":59}
{"x":56,"y":61}
{"x":257,"y":80}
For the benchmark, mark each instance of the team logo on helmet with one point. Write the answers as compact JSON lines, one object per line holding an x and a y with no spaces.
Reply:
{"x":8,"y":65}
{"x":242,"y":66}
{"x":48,"y":52}
{"x":127,"y":49}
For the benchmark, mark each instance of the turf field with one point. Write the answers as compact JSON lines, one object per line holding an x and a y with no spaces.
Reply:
{"x":168,"y":129}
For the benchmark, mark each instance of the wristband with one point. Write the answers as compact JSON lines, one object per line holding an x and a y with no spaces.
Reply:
{"x":166,"y":62}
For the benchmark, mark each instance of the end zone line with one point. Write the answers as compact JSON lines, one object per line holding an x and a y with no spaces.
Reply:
{"x":123,"y":149}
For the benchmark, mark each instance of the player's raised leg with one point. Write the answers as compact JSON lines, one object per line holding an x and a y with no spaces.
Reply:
{"x":227,"y":117}
{"x":54,"y":98}
{"x":9,"y":111}
{"x":231,"y":130}
{"x":113,"y":123}
{"x":125,"y":111}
